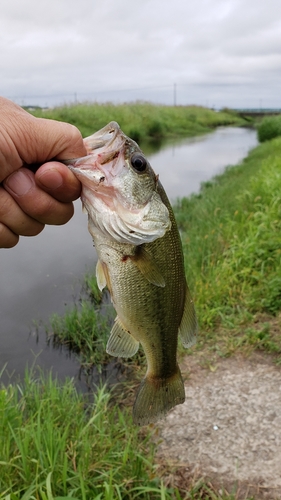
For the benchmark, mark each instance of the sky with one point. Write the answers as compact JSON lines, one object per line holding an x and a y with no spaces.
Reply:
{"x":215,"y":53}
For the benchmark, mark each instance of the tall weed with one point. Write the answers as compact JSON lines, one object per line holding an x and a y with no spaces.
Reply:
{"x":56,"y":444}
{"x":269,"y":128}
{"x":231,"y":239}
{"x":142,"y":120}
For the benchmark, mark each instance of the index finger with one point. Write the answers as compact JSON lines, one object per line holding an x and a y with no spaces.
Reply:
{"x":58,"y":181}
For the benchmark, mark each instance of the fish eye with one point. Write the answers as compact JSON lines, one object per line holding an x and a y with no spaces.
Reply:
{"x":138,"y":162}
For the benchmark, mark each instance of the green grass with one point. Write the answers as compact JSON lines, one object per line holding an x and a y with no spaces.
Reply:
{"x":84,"y":329}
{"x":231,"y":240}
{"x":269,"y":128}
{"x":141,"y":121}
{"x":54,"y":444}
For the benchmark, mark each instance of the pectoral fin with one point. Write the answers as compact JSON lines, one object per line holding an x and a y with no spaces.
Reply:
{"x":121,"y":343}
{"x":189,"y":326}
{"x":100,"y":275}
{"x":148,"y":267}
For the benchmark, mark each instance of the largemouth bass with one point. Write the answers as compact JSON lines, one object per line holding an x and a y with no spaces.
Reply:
{"x":140,"y":261}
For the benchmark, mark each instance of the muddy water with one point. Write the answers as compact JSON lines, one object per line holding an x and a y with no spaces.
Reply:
{"x":41,"y":275}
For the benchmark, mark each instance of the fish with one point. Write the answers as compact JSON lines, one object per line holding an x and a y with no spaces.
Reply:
{"x":140,"y":260}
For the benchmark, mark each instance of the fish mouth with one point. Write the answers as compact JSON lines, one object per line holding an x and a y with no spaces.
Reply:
{"x":107,"y":145}
{"x":103,"y":138}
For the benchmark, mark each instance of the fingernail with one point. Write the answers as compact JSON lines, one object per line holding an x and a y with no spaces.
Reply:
{"x":19,"y":183}
{"x":51,"y":179}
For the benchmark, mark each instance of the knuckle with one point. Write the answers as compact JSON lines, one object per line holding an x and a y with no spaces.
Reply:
{"x":8,"y":239}
{"x":51,"y":211}
{"x":15,"y":220}
{"x":6,"y":203}
{"x":33,"y":230}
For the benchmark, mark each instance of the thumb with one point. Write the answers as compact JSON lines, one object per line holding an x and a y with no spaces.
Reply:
{"x":49,"y":139}
{"x":35,"y":140}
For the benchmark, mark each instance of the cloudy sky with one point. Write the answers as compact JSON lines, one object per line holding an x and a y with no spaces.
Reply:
{"x":207,"y":52}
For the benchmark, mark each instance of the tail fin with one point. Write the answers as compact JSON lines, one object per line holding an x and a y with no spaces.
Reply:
{"x":156,"y":397}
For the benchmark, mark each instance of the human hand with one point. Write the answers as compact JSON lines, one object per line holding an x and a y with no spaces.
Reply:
{"x":28,"y":201}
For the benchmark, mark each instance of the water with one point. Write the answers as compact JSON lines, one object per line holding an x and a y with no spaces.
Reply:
{"x":188,"y":162}
{"x":41,"y":275}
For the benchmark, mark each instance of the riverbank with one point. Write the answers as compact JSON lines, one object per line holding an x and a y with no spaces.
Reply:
{"x":230,"y":234}
{"x":143,"y":121}
{"x":53,"y":448}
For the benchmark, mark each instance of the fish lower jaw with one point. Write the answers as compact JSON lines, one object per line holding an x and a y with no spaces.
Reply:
{"x":92,"y":176}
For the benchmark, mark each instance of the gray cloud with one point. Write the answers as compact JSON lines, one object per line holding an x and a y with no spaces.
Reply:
{"x":218,"y":52}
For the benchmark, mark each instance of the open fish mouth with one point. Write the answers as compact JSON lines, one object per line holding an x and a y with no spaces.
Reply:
{"x":104,"y":148}
{"x":104,"y":137}
{"x":100,"y":139}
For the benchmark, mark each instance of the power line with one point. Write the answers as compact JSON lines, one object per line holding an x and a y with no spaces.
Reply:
{"x":91,"y":93}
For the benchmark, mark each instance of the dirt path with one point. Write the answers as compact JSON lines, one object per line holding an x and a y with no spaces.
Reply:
{"x":229,"y":428}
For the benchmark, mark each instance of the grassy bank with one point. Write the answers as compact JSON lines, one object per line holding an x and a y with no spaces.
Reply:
{"x":231,"y":240}
{"x":269,"y":128}
{"x":142,"y":121}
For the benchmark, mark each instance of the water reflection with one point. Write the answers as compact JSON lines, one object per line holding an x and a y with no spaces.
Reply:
{"x":41,"y":275}
{"x":184,"y":164}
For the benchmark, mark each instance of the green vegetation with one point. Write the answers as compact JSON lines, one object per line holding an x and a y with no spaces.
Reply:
{"x":269,"y":128}
{"x":53,"y":446}
{"x":84,"y":329}
{"x":57,"y":445}
{"x":141,"y":121}
{"x":231,"y":240}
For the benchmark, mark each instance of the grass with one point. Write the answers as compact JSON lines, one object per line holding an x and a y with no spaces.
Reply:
{"x":142,"y":121}
{"x":269,"y":128}
{"x":231,"y":240}
{"x":84,"y":330}
{"x":54,"y":444}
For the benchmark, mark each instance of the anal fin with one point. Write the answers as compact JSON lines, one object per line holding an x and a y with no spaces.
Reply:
{"x":121,"y":343}
{"x":189,"y":327}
